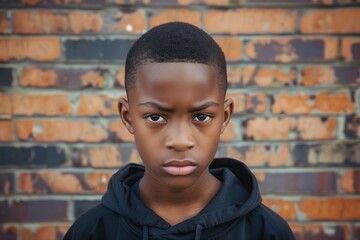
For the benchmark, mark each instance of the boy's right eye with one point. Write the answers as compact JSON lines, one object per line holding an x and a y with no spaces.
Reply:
{"x":155,"y":118}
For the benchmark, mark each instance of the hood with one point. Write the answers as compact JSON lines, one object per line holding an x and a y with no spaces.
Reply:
{"x":237,"y":196}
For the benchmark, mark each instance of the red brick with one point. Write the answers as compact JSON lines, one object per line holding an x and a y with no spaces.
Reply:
{"x":38,"y":49}
{"x":250,"y":21}
{"x":291,"y":49}
{"x":120,"y":77}
{"x":118,"y":131}
{"x":321,"y":231}
{"x":6,"y":106}
{"x":350,"y":48}
{"x":333,"y":208}
{"x":33,"y":211}
{"x":131,"y":23}
{"x":334,"y":75}
{"x":258,"y":156}
{"x":284,"y":208}
{"x":306,"y":128}
{"x":171,"y":15}
{"x":36,"y":77}
{"x":5,"y":24}
{"x":352,"y":127}
{"x":323,"y":102}
{"x":49,"y":105}
{"x":248,"y":103}
{"x":346,"y":20}
{"x":9,"y":232}
{"x":356,"y":231}
{"x":229,"y":133}
{"x":231,"y":46}
{"x":92,"y":105}
{"x":43,"y":232}
{"x":53,"y":130}
{"x":81,"y":21}
{"x":6,"y":131}
{"x":261,"y":76}
{"x":6,"y":183}
{"x":350,"y":181}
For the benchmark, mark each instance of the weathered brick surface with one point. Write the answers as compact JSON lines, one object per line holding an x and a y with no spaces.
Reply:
{"x":325,"y":231}
{"x":331,"y":21}
{"x":38,"y":49}
{"x":351,"y":181}
{"x":5,"y":23}
{"x":171,"y":15}
{"x":6,"y":77}
{"x":284,"y":208}
{"x":324,"y":75}
{"x":6,"y":183}
{"x":33,"y":211}
{"x":6,"y":131}
{"x":9,"y":232}
{"x":335,"y":208}
{"x":55,"y":130}
{"x":250,"y":21}
{"x":245,"y":103}
{"x":90,"y":105}
{"x":352,"y":127}
{"x":55,"y":232}
{"x":286,"y":50}
{"x":350,"y":48}
{"x":305,"y":128}
{"x":231,"y":46}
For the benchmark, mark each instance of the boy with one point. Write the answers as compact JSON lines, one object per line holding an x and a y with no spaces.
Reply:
{"x":175,"y":80}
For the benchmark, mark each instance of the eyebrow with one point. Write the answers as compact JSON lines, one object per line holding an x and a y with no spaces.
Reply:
{"x":171,"y":110}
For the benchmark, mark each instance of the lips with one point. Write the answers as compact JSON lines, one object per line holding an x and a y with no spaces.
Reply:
{"x":179,"y":167}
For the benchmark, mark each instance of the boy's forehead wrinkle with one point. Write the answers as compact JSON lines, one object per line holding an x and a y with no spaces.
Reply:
{"x":194,"y":108}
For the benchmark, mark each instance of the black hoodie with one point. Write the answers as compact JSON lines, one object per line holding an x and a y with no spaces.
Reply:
{"x":235,"y":212}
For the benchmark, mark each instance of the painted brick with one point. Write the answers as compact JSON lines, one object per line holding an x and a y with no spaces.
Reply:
{"x":231,"y":46}
{"x":324,"y":75}
{"x":350,"y":181}
{"x":350,"y":48}
{"x":123,"y":22}
{"x":49,"y":105}
{"x":33,"y":211}
{"x":346,"y":20}
{"x":297,"y":182}
{"x":6,"y":130}
{"x":45,"y":232}
{"x":327,"y":154}
{"x":107,"y":50}
{"x":284,"y":208}
{"x":323,"y":102}
{"x":321,"y":231}
{"x":175,"y":15}
{"x":6,"y":77}
{"x":258,"y":156}
{"x":333,"y":208}
{"x":54,"y":130}
{"x":5,"y":23}
{"x":8,"y":232}
{"x":352,"y":127}
{"x":118,"y":132}
{"x":261,"y":76}
{"x":82,"y":206}
{"x":107,"y":156}
{"x":246,"y":103}
{"x":94,"y":105}
{"x":37,"y":49}
{"x":250,"y":21}
{"x":35,"y":156}
{"x":291,"y":49}
{"x":62,"y":77}
{"x":43,"y":182}
{"x":289,"y":128}
{"x":6,"y":183}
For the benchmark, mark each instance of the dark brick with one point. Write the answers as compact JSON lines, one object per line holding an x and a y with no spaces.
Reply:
{"x":298,"y":183}
{"x":97,"y":49}
{"x":298,"y":2}
{"x":5,"y":77}
{"x":48,"y":3}
{"x":352,"y":127}
{"x":327,"y":154}
{"x":31,"y":156}
{"x":8,"y":232}
{"x":83,"y":206}
{"x":347,"y":74}
{"x":355,"y":51}
{"x":319,"y":232}
{"x":6,"y":183}
{"x":33,"y":211}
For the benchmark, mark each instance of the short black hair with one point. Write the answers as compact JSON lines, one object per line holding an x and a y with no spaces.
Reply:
{"x":175,"y":42}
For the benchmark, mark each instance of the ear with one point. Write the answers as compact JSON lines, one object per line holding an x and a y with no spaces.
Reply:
{"x":123,"y":108}
{"x":228,"y":111}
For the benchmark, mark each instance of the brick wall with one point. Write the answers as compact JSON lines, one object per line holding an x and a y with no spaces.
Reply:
{"x":294,"y":75}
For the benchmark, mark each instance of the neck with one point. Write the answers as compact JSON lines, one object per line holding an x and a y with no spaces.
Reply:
{"x":178,"y":204}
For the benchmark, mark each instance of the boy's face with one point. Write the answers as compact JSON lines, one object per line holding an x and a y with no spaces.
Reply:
{"x":176,"y":112}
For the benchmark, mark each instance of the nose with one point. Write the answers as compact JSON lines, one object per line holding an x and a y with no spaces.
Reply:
{"x":180,"y":137}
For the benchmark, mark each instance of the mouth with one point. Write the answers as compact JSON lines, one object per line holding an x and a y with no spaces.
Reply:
{"x":179,"y":167}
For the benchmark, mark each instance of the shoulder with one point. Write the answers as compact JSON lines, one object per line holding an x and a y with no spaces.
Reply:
{"x":271,"y":225}
{"x":91,"y":223}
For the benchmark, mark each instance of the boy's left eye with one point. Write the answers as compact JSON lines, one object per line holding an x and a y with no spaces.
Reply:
{"x":202,"y":118}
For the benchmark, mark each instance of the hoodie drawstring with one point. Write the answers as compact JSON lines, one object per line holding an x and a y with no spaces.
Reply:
{"x":145,"y":232}
{"x":199,"y":228}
